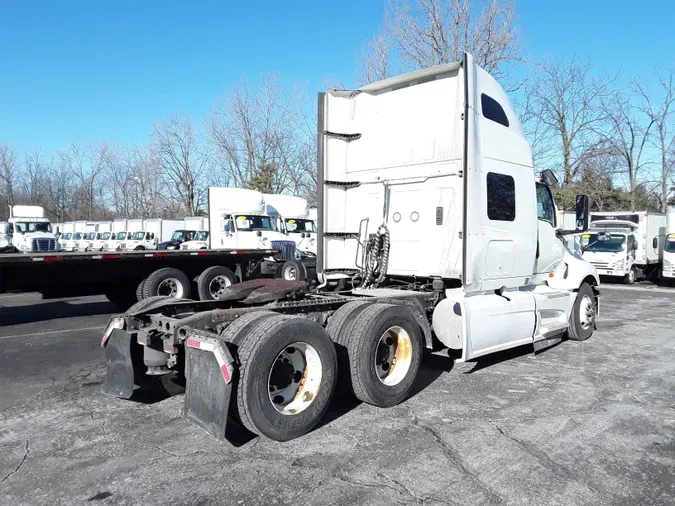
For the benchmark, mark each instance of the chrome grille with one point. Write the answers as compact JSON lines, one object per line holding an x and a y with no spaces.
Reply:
{"x":43,"y":245}
{"x":602,"y":265}
{"x":286,"y":250}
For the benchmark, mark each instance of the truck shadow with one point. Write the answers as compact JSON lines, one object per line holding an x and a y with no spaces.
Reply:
{"x":506,"y":355}
{"x":433,"y":366}
{"x":52,"y":310}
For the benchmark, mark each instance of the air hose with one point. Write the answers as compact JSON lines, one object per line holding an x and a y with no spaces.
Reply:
{"x":377,"y":258}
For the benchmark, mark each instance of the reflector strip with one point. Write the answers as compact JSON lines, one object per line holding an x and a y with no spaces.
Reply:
{"x":108,"y":257}
{"x":115,"y":323}
{"x":215,"y":347}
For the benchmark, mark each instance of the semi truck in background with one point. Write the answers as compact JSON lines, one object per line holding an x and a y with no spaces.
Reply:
{"x":433,"y":232}
{"x":238,"y":219}
{"x":624,"y":245}
{"x":5,"y":239}
{"x":293,"y":219}
{"x":28,"y":230}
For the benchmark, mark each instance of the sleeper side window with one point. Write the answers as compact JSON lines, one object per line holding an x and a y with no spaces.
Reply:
{"x":492,"y":110}
{"x":501,"y":197}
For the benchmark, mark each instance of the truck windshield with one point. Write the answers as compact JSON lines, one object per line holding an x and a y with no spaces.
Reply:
{"x":138,"y":236}
{"x":121,"y":236}
{"x":178,"y":235}
{"x":90,"y":236}
{"x":670,"y":244}
{"x":105,"y":236}
{"x":67,"y":236}
{"x":247,"y":222}
{"x":614,"y":245}
{"x":296,"y":225}
{"x":201,"y":236}
{"x":77,"y":236}
{"x":31,"y":226}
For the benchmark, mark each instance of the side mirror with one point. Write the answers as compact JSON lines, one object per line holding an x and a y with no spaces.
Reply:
{"x":258,"y":233}
{"x":302,"y":235}
{"x":582,"y":218}
{"x":634,"y":245}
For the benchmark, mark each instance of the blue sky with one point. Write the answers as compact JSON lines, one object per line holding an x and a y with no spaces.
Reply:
{"x":90,"y":70}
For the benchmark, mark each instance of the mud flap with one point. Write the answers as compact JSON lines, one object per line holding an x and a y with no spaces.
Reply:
{"x":207,"y":395}
{"x":124,"y":357}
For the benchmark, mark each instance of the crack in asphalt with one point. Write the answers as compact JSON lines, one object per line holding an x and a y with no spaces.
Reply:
{"x":23,"y":459}
{"x":543,"y":458}
{"x":493,"y":496}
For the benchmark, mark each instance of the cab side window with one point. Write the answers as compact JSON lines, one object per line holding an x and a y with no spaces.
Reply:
{"x":545,"y":206}
{"x":228,"y":224}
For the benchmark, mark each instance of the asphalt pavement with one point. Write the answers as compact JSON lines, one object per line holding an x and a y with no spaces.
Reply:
{"x":580,"y":423}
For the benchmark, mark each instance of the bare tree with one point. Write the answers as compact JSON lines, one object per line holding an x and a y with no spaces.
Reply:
{"x":8,"y":173}
{"x":627,"y":137}
{"x":659,"y":110}
{"x":176,"y":149}
{"x":87,"y":164}
{"x":567,"y":100}
{"x":260,"y":136}
{"x":424,"y":33}
{"x":374,"y":60}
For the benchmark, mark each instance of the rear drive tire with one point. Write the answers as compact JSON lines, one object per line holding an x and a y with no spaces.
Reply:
{"x":385,"y":354}
{"x":214,"y":281}
{"x":168,"y":282}
{"x":582,"y":319}
{"x":339,"y":329}
{"x":287,"y":374}
{"x":293,"y":270}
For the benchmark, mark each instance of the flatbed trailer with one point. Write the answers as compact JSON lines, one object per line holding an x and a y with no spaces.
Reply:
{"x":126,"y":277}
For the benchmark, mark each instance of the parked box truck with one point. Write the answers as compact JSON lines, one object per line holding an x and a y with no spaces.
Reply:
{"x":626,"y":244}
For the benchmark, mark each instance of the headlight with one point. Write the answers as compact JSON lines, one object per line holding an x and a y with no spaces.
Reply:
{"x":666,"y":264}
{"x":618,"y":264}
{"x":24,"y":247}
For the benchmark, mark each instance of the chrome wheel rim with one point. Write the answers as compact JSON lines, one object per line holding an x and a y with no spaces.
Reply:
{"x":290,"y":273}
{"x":218,"y":285}
{"x":170,"y":287}
{"x":294,"y":379}
{"x":586,"y":312}
{"x":393,"y":355}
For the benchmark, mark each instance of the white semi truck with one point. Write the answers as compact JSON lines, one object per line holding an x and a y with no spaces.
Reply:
{"x":238,"y":218}
{"x":293,"y":220}
{"x":119,"y":234}
{"x":624,"y":244}
{"x":433,"y":232}
{"x":29,"y":230}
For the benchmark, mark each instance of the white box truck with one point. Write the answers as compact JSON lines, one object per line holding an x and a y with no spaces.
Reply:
{"x":668,"y":266}
{"x":433,"y":232}
{"x":5,"y":239}
{"x":80,"y":228}
{"x":119,"y":234}
{"x":626,"y":244}
{"x":155,"y":231}
{"x":29,"y":230}
{"x":66,"y":239}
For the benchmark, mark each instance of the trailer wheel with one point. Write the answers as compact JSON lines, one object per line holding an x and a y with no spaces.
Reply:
{"x":287,"y":374}
{"x":214,"y":281}
{"x":169,"y":282}
{"x":139,"y":290}
{"x":582,"y":320}
{"x":385,"y":354}
{"x":293,"y":270}
{"x":339,"y":329}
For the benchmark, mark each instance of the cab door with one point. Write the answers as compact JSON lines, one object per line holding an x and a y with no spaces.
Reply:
{"x":550,"y":248}
{"x":228,"y":239}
